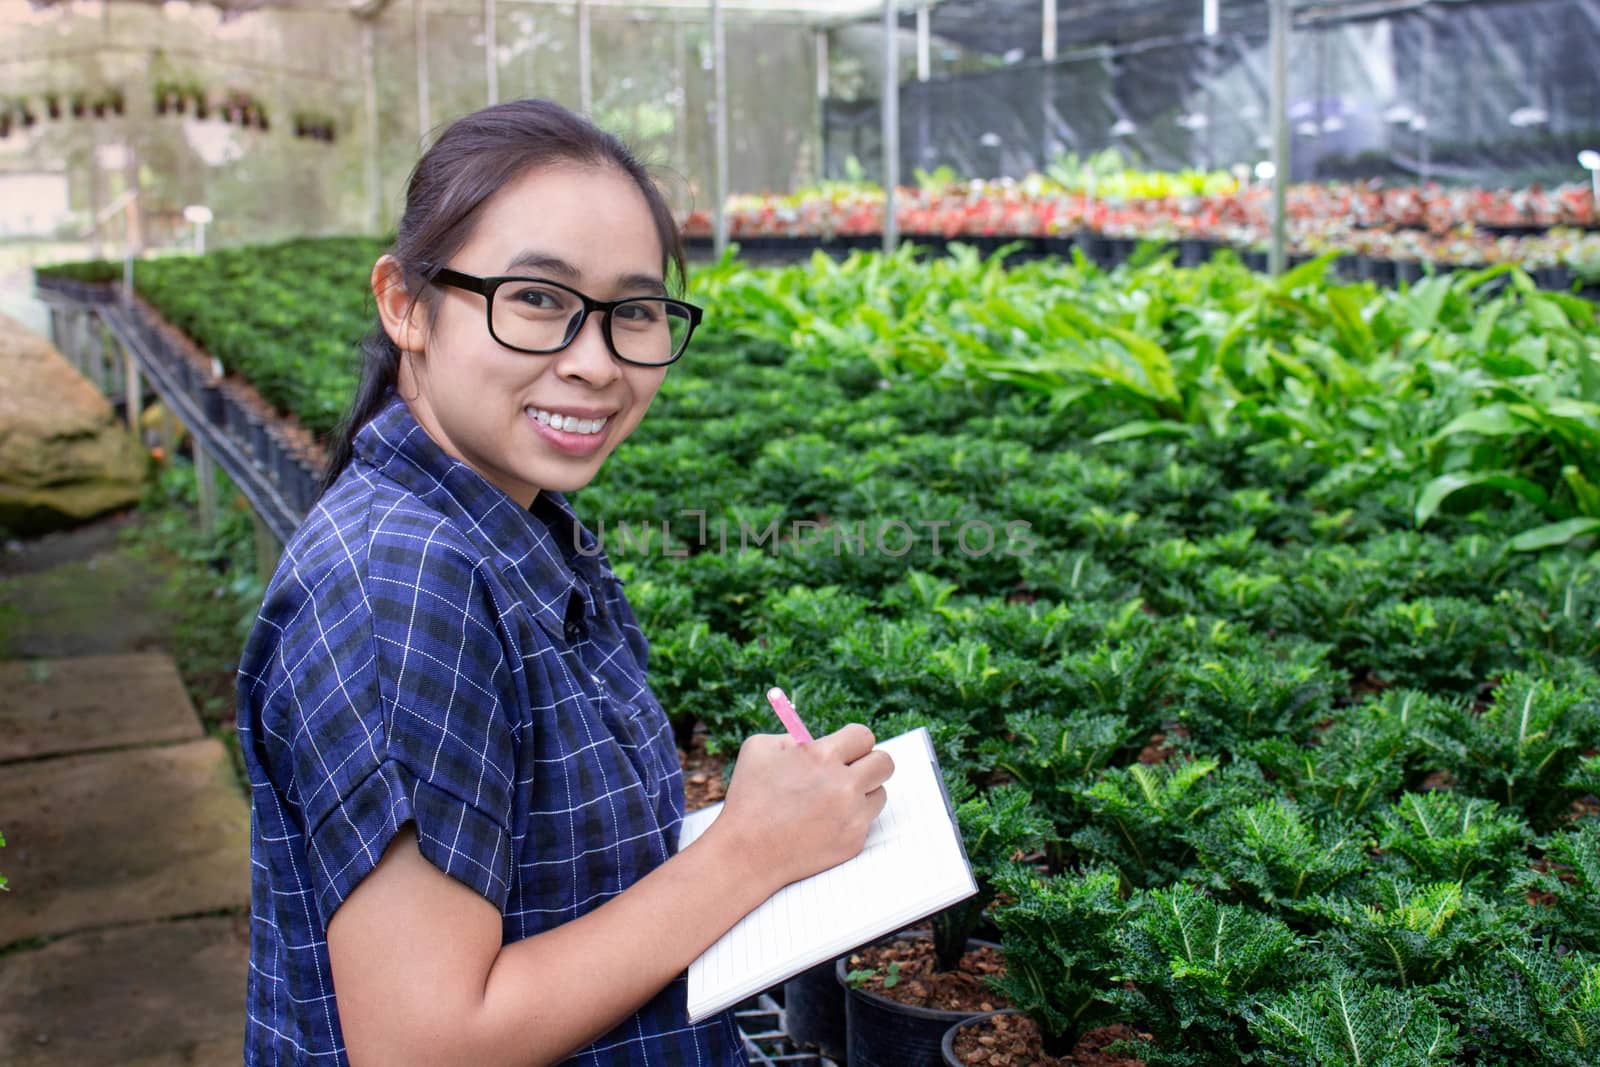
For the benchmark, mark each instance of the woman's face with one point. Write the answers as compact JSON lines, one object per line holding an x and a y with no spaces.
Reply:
{"x":490,"y":406}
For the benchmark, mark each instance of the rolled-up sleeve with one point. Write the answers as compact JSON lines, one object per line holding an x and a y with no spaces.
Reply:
{"x":394,"y":699}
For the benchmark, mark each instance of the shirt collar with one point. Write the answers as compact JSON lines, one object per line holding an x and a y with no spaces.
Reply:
{"x":545,"y":544}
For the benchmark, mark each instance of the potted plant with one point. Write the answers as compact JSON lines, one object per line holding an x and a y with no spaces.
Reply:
{"x":882,"y":1027}
{"x":52,"y":104}
{"x":1061,"y":959}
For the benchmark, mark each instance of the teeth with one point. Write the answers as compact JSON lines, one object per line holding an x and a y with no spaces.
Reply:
{"x":568,"y":423}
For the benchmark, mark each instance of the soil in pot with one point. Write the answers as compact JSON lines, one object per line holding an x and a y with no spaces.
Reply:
{"x":1011,"y":1039}
{"x":898,"y":1007}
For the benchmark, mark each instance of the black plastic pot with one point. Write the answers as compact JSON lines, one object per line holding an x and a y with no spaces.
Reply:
{"x":880,"y":1032}
{"x":1557,"y":278}
{"x":261,"y":444}
{"x":211,"y":403}
{"x":1061,"y":246}
{"x":239,"y":417}
{"x":1408,"y":271}
{"x":947,"y":1046}
{"x":1195,"y":251}
{"x":813,"y":1010}
{"x":1255,"y":260}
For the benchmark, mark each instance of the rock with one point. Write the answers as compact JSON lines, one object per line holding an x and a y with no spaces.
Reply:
{"x":64,"y":456}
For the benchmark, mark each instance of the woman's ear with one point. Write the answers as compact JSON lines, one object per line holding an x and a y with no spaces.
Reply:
{"x":404,"y":319}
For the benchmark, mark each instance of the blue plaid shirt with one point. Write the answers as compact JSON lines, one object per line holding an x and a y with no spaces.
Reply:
{"x":430,"y":652}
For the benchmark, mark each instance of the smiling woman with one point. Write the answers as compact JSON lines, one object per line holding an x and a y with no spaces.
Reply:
{"x":466,"y":797}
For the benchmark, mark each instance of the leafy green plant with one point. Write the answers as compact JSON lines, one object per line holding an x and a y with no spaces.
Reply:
{"x":1533,"y":1003}
{"x":1406,"y":934}
{"x":1524,"y":746}
{"x":1055,"y":756}
{"x":998,"y":827}
{"x":1565,"y":886}
{"x":1444,"y":836}
{"x":1196,"y":966}
{"x":1259,"y":691}
{"x":1366,"y":754}
{"x":1270,"y":853}
{"x":1345,"y":1022}
{"x":1059,"y":949}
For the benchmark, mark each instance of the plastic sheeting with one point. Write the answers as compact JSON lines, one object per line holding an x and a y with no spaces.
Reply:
{"x":1492,"y":93}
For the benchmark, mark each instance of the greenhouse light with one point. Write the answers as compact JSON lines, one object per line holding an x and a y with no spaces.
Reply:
{"x":1398,"y":115}
{"x":199,"y":215}
{"x":1265,"y":171}
{"x":1589,"y":160}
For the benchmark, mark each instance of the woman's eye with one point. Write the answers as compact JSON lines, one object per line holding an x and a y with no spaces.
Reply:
{"x":637,"y":314}
{"x":539,"y":299}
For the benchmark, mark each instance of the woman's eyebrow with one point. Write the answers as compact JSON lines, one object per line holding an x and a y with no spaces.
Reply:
{"x":544,"y":263}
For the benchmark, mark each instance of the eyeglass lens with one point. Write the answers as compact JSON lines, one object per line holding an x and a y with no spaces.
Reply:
{"x":542,"y":317}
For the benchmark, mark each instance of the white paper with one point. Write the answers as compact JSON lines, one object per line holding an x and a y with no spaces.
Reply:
{"x":912,"y":865}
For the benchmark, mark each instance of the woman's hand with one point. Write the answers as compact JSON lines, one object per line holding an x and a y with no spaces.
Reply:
{"x":796,"y":809}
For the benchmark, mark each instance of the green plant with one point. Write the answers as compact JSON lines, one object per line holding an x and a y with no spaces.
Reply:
{"x":1270,"y":853}
{"x":1565,"y":885}
{"x":1345,"y":1022}
{"x":1395,"y":931}
{"x":1524,"y":746}
{"x":1059,"y":950}
{"x":1446,"y":837}
{"x":1534,"y":1001}
{"x":998,"y":827}
{"x":1276,"y":690}
{"x":1196,"y":966}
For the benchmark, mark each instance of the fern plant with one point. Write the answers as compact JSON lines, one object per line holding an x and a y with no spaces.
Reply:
{"x":1260,"y":690}
{"x":1054,"y":756}
{"x":1195,"y":968}
{"x":1138,"y":818}
{"x":1059,"y":950}
{"x":1269,"y":852}
{"x":1566,"y":887}
{"x":1344,"y":1022}
{"x":1523,"y":747}
{"x":1447,"y":837}
{"x":1409,"y":934}
{"x":1366,"y":756}
{"x":1533,"y":1004}
{"x":997,"y":827}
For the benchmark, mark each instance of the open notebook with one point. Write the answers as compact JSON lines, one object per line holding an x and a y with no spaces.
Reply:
{"x":912,"y":866}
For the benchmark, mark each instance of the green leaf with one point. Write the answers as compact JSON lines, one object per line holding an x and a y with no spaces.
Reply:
{"x":1437,"y":491}
{"x":1554,"y":534}
{"x":1140,"y":428}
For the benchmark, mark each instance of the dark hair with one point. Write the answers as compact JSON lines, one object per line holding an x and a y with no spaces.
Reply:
{"x":475,"y":157}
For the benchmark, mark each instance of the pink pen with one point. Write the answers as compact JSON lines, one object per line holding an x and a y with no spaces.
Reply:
{"x":788,"y":716}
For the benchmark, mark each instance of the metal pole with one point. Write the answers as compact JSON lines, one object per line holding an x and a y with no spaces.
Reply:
{"x":923,"y":45}
{"x":680,"y":108}
{"x":205,"y":477}
{"x":585,"y":60}
{"x":1279,"y":106}
{"x":822,"y":64}
{"x":1047,"y":34}
{"x":719,"y":57}
{"x":491,"y":64}
{"x":133,"y":397}
{"x":891,"y":123}
{"x":369,"y":76}
{"x":424,"y":104}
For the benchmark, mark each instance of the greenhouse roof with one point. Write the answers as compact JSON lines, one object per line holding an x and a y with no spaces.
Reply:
{"x":821,"y":11}
{"x":1014,"y":28}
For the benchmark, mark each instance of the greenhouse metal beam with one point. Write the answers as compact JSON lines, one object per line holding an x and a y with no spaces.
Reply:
{"x":491,"y":64}
{"x":369,"y":80}
{"x":1279,"y":108}
{"x":719,"y":58}
{"x":891,"y":122}
{"x":585,"y":60}
{"x":424,"y":103}
{"x":1047,"y":31}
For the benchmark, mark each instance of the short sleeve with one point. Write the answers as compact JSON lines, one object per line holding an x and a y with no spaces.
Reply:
{"x":395,"y":700}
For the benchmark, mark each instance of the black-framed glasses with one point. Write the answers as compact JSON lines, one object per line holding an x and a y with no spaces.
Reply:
{"x":539,"y":316}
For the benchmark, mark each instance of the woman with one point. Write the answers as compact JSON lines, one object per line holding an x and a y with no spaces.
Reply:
{"x":465,"y":797}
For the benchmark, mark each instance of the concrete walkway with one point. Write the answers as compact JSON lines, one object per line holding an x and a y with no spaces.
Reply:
{"x":123,"y":939}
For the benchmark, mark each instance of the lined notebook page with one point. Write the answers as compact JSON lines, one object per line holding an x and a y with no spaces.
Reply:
{"x":912,"y":865}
